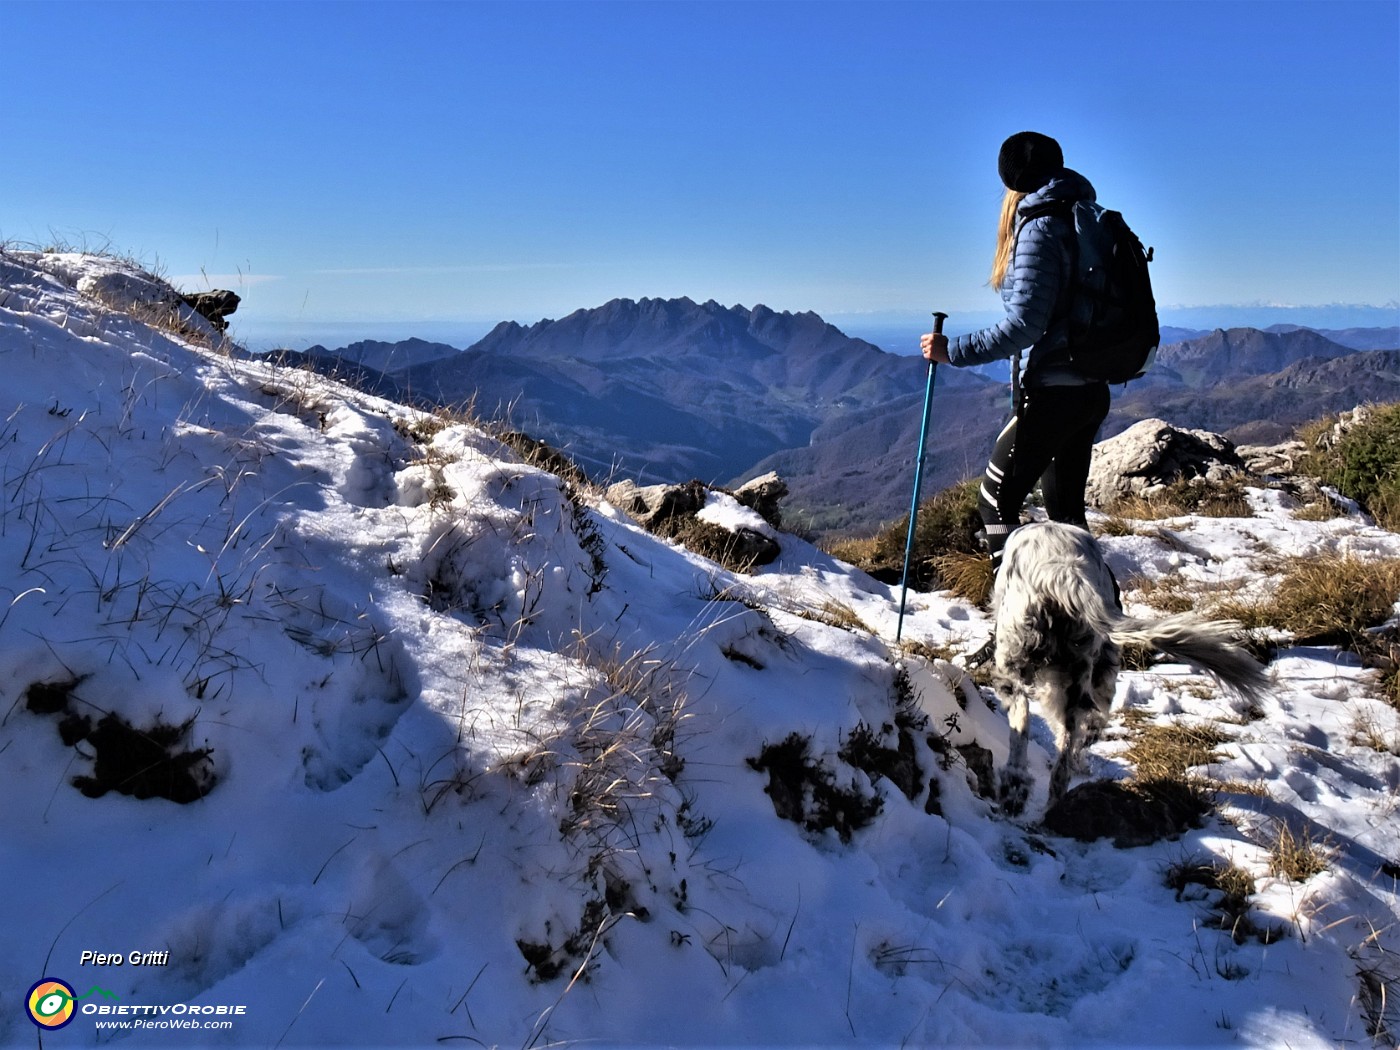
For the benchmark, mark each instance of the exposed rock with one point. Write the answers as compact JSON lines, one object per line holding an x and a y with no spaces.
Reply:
{"x":1279,"y":460}
{"x":214,"y":306}
{"x":146,"y":297}
{"x":1279,"y":466}
{"x":653,"y":505}
{"x":763,"y":494}
{"x":1153,"y":454}
{"x":1346,"y":422}
{"x":673,"y":511}
{"x":123,"y":286}
{"x":1283,"y":464}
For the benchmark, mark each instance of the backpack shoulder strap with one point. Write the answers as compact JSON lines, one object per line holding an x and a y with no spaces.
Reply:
{"x":1064,"y":209}
{"x":1035,"y":211}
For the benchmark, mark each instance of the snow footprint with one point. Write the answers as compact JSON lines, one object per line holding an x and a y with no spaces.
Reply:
{"x":360,"y":690}
{"x":357,"y":707}
{"x":209,"y":942}
{"x":1052,"y":974}
{"x":368,"y":479}
{"x":388,"y":917}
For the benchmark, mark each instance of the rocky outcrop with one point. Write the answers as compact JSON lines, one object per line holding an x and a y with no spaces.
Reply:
{"x":1283,"y":465}
{"x":214,"y":306}
{"x":654,"y":505}
{"x":677,"y":512}
{"x":122,"y":286}
{"x":1153,"y":454}
{"x":1281,"y":460}
{"x":762,"y":495}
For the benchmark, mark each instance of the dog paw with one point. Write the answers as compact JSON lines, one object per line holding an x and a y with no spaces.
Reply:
{"x":1014,"y":791}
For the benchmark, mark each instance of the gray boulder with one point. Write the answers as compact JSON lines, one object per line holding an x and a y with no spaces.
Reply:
{"x":672,"y":511}
{"x":1152,"y":454}
{"x":1277,"y":461}
{"x":654,"y":505}
{"x":762,"y":495}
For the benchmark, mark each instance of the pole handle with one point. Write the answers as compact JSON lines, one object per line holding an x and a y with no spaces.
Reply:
{"x":938,"y":318}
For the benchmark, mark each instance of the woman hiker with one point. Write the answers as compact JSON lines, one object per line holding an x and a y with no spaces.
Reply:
{"x":1050,"y":435}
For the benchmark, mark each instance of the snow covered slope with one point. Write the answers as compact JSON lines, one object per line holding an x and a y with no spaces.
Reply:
{"x":338,"y":725}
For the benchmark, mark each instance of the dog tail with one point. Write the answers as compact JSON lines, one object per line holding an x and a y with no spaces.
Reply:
{"x":1209,"y":645}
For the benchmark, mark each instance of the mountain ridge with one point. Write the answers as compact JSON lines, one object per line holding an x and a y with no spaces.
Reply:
{"x":669,"y":389}
{"x":656,"y":390}
{"x":1240,"y":351}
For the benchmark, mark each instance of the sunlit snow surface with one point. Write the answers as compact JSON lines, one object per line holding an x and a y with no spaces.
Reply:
{"x":480,"y":752}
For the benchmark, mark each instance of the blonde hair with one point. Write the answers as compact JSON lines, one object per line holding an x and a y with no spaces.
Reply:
{"x":1006,"y":236}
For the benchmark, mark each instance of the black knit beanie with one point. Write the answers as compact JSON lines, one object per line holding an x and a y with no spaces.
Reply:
{"x":1028,"y":160}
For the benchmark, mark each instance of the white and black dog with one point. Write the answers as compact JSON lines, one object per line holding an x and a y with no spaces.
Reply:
{"x":1059,"y":638}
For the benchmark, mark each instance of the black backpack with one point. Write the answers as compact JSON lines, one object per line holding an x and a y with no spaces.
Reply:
{"x":1113,"y":332}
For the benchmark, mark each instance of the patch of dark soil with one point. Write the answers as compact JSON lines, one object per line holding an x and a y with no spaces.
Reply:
{"x":978,"y":760}
{"x":545,"y":962}
{"x":1131,"y":813}
{"x":143,"y":763}
{"x":539,"y":454}
{"x":50,"y":698}
{"x":740,"y":550}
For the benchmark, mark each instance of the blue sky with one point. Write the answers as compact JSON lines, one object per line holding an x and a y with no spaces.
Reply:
{"x":411,"y":163}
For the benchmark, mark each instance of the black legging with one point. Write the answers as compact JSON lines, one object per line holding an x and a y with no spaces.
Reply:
{"x":1050,"y":440}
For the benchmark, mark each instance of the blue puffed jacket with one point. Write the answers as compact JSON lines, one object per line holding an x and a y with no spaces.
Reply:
{"x":1033,"y":293}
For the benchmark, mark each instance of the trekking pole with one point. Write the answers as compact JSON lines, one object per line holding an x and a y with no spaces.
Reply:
{"x":938,"y":319}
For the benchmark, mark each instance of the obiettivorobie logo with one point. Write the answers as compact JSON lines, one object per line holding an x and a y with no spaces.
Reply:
{"x":51,"y":1002}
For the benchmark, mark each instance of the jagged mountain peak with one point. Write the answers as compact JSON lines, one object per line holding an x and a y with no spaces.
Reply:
{"x":625,"y":328}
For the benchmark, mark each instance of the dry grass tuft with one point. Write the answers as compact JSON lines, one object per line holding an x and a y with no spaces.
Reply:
{"x":1168,"y":594}
{"x":836,"y":614}
{"x":540,"y":454}
{"x":854,"y":550}
{"x":1380,"y":650}
{"x":969,"y":576}
{"x":1379,"y":1006}
{"x":1214,"y":499}
{"x":1114,"y":525}
{"x":1327,"y":599}
{"x":1231,"y":910}
{"x":1170,"y":751}
{"x":1366,"y":731}
{"x":1165,"y":759}
{"x":1321,"y":510}
{"x":948,"y":523}
{"x":1296,"y":858}
{"x":927,"y":652}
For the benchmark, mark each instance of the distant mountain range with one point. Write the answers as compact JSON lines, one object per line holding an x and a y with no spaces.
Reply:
{"x":656,"y":390}
{"x":667,"y":390}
